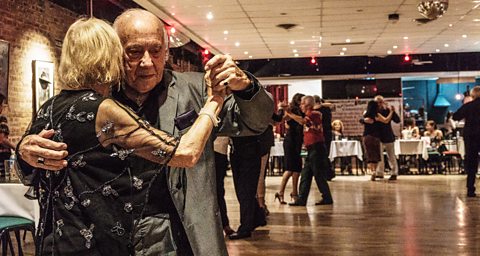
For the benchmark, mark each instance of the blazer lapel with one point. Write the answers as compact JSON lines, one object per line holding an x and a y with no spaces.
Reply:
{"x":168,"y":110}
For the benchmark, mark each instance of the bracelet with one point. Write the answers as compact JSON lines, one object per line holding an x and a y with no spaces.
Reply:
{"x":215,"y":120}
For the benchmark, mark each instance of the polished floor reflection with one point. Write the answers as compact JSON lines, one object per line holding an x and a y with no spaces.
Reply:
{"x":416,"y":215}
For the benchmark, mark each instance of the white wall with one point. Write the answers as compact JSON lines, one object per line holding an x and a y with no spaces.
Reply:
{"x":305,"y":86}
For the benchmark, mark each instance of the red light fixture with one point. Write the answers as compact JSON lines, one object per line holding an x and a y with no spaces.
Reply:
{"x":313,"y":61}
{"x":206,"y":52}
{"x":406,"y":58}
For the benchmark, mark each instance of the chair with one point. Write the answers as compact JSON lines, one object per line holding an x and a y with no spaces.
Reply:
{"x":451,"y":157}
{"x":15,"y":224}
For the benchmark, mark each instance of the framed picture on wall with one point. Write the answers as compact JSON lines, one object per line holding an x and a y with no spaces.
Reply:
{"x":4,"y":56}
{"x":42,"y":82}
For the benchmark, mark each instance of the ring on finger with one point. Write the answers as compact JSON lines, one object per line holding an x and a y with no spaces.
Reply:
{"x":41,"y":160}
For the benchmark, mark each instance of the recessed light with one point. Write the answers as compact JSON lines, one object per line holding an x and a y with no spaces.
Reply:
{"x":173,"y":14}
{"x":237,"y":44}
{"x":344,"y":49}
{"x":395,"y":46}
{"x":320,"y":38}
{"x":250,"y":56}
{"x":437,"y":50}
{"x":296,"y":55}
{"x":464,"y":36}
{"x":389,"y":52}
{"x":292,"y":42}
{"x":209,"y":15}
{"x":225,"y":32}
{"x":225,"y":38}
{"x":405,"y":37}
{"x":294,"y":50}
{"x":446,"y":45}
{"x":348,"y":40}
{"x":342,"y":53}
{"x":245,"y":52}
{"x":319,"y":44}
{"x":450,"y":25}
{"x":476,"y":20}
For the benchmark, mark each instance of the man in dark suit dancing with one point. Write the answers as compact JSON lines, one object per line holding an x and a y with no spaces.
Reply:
{"x":469,"y":112}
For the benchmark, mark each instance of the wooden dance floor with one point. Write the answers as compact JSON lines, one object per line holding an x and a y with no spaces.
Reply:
{"x":416,"y":215}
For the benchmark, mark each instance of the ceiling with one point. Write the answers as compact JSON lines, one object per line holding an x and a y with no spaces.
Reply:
{"x":320,"y":23}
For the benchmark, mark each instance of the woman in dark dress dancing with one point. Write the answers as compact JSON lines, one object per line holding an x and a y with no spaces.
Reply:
{"x":292,"y":146}
{"x":89,"y":207}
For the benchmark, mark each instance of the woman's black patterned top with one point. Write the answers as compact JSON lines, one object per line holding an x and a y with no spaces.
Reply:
{"x":89,"y":207}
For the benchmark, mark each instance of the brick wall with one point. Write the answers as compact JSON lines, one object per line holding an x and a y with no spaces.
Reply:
{"x":35,"y":30}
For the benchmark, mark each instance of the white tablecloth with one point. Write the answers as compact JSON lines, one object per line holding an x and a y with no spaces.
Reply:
{"x":277,"y":149}
{"x":339,"y":148}
{"x":411,"y":147}
{"x":14,"y":203}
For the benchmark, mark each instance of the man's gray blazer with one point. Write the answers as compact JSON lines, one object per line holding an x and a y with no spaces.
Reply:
{"x":193,"y":190}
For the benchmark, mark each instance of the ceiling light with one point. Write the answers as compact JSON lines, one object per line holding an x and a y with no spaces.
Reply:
{"x":250,"y":56}
{"x":245,"y":52}
{"x":437,"y":50}
{"x":173,"y":14}
{"x":344,"y":49}
{"x":389,"y":52}
{"x":225,"y":32}
{"x":294,"y":50}
{"x":296,"y":55}
{"x":342,"y":53}
{"x":209,"y":15}
{"x":225,"y":38}
{"x":320,"y":45}
{"x":432,"y":9}
{"x":320,"y":38}
{"x":395,"y":46}
{"x":405,"y":37}
{"x":446,"y":45}
{"x":292,"y":42}
{"x":348,"y":40}
{"x":450,"y":25}
{"x":464,"y":36}
{"x":237,"y":44}
{"x":172,"y":30}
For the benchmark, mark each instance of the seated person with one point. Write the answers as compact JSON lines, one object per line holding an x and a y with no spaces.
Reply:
{"x":435,"y":134}
{"x":436,"y":146}
{"x":5,"y":145}
{"x":337,"y":134}
{"x":410,"y":131}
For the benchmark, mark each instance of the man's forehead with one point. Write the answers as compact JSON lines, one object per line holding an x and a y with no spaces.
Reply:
{"x":143,"y":38}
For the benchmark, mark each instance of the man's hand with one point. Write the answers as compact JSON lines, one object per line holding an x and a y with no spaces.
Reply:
{"x":222,"y":72}
{"x":35,"y":147}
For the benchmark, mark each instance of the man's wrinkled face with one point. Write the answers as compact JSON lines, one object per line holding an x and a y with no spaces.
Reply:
{"x":145,"y":56}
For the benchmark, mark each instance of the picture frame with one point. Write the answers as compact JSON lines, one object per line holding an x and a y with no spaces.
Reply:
{"x":43,"y":82}
{"x":4,"y":66}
